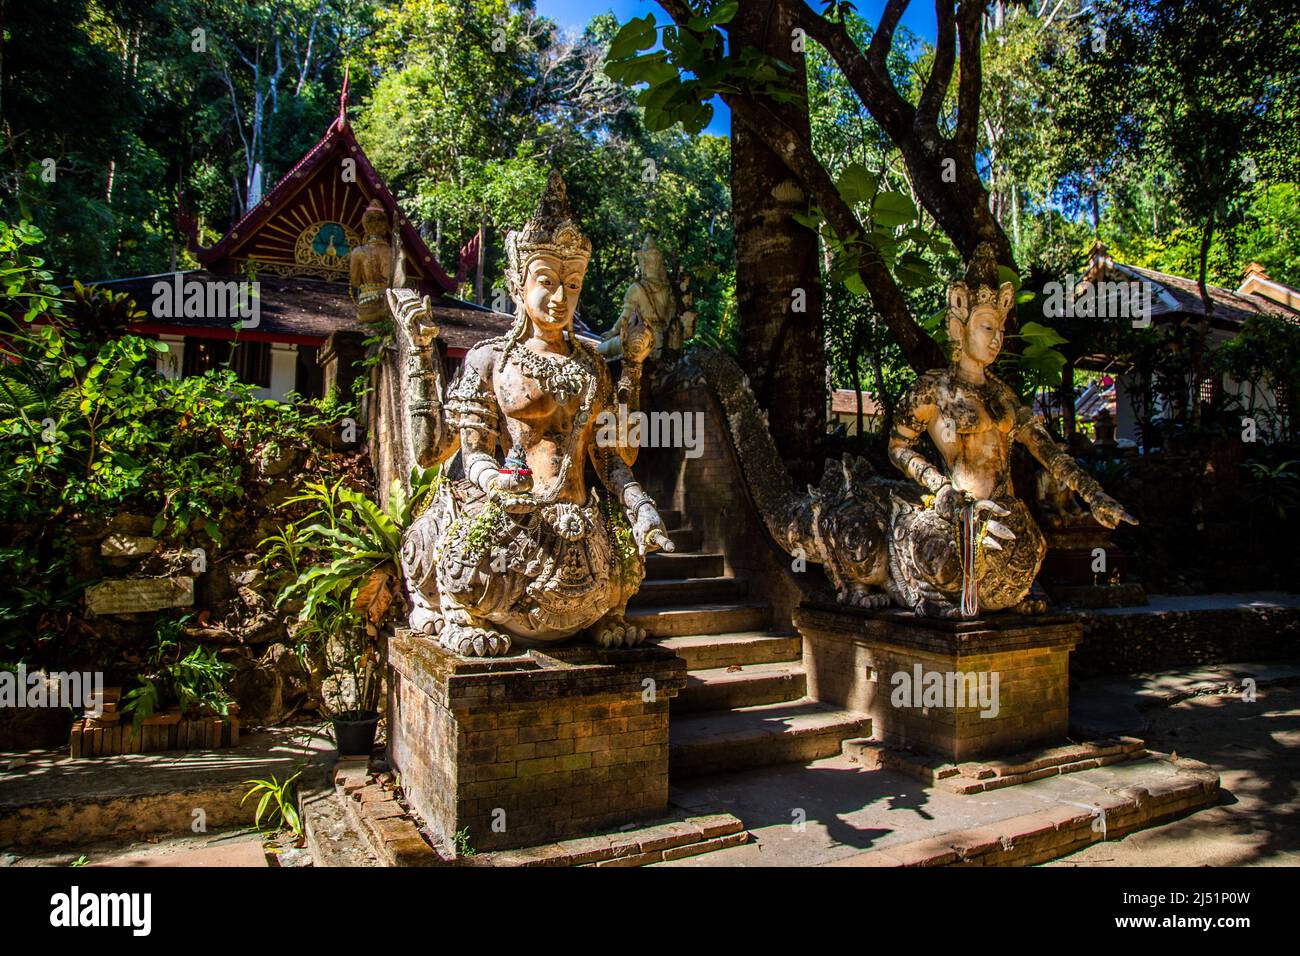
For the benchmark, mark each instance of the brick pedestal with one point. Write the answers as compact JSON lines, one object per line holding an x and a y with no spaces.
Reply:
{"x":854,"y":658}
{"x":525,"y":750}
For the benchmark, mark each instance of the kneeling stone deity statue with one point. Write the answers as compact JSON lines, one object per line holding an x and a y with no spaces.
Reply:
{"x":522,"y":551}
{"x":955,"y":540}
{"x":971,"y":543}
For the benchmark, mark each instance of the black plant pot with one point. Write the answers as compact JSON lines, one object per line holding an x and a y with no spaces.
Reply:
{"x":355,"y":732}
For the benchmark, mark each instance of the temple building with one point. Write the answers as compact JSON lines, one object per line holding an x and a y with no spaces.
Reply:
{"x":298,"y":244}
{"x":1176,"y":299}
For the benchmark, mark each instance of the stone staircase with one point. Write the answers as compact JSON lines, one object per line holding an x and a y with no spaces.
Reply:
{"x":745,"y":704}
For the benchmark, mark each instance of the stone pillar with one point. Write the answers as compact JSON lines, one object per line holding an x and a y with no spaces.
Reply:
{"x":172,"y":362}
{"x":1126,"y":421}
{"x":284,"y":370}
{"x":525,"y":750}
{"x":921,"y":679}
{"x":340,"y":359}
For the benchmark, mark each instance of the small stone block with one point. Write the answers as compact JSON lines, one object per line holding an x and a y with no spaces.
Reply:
{"x":133,"y":595}
{"x":127,"y":546}
{"x":636,"y":859}
{"x":706,"y":846}
{"x":716,"y":824}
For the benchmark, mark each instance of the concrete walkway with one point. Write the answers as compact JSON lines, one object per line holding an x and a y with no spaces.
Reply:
{"x":1255,"y":747}
{"x":48,"y":799}
{"x":1198,"y":713}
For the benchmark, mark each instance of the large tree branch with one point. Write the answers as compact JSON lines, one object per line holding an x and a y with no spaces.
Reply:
{"x":970,"y":80}
{"x":945,"y":53}
{"x":958,"y":203}
{"x":795,"y":151}
{"x":921,"y":351}
{"x":868,"y":78}
{"x":883,"y":39}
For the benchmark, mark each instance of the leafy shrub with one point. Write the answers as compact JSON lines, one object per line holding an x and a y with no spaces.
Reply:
{"x":89,"y":428}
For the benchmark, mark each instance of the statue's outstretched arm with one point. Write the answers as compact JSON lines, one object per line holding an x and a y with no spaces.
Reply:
{"x":639,"y":507}
{"x":1033,"y":434}
{"x":432,"y":440}
{"x":472,"y":409}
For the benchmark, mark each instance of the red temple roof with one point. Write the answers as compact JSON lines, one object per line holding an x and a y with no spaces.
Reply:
{"x":309,"y":222}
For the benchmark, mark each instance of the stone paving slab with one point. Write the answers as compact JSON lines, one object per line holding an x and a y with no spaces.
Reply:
{"x":846,"y":810}
{"x":1119,"y":705}
{"x":1206,"y":602}
{"x":1255,"y":748}
{"x":243,"y":852}
{"x":237,"y":848}
{"x":631,"y":846}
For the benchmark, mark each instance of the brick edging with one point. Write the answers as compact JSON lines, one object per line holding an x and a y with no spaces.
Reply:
{"x":1053,"y":832}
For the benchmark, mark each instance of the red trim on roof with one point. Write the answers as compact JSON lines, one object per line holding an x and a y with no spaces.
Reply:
{"x":339,"y":133}
{"x":209,"y":332}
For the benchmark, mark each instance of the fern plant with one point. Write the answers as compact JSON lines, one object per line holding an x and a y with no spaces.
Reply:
{"x":195,"y":683}
{"x":343,"y":542}
{"x":353,"y":535}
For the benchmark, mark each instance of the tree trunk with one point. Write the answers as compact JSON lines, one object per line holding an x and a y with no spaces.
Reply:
{"x":776,"y":266}
{"x":1065,"y":394}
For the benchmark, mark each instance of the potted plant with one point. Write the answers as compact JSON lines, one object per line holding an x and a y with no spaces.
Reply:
{"x":346,"y":558}
{"x":344,"y":641}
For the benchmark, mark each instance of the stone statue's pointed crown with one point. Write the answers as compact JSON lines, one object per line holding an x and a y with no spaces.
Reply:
{"x":981,"y":283}
{"x":375,"y":215}
{"x":552,"y":231}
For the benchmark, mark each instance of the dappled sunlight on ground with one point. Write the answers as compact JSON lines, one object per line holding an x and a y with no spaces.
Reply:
{"x":1255,"y":747}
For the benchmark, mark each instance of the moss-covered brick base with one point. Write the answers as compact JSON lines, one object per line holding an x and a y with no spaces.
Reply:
{"x":525,"y":750}
{"x":890,"y":665}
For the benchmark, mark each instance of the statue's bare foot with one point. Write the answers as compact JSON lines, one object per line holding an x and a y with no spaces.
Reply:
{"x":858,"y":597}
{"x":425,"y":619}
{"x":470,"y":641}
{"x":613,"y":631}
{"x":1031,"y":605}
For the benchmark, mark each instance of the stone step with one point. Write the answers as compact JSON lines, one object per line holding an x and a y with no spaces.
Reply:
{"x":721,"y":618}
{"x":671,"y":518}
{"x":658,"y":842}
{"x":686,"y":540}
{"x":709,"y":651}
{"x":721,"y":688}
{"x":677,"y":566}
{"x":679,"y":591}
{"x":795,"y":731}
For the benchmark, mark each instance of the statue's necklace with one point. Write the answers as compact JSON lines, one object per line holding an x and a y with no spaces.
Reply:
{"x":559,"y":375}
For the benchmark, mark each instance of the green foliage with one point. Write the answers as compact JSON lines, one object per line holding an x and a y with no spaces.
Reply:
{"x":88,"y":428}
{"x":460,"y":840}
{"x":1275,"y":487}
{"x":626,"y":554}
{"x":485,"y":528}
{"x":354,"y":536}
{"x":195,"y":683}
{"x":98,"y":171}
{"x":475,"y":102}
{"x":326,"y":558}
{"x":1265,"y":354}
{"x":278,"y":803}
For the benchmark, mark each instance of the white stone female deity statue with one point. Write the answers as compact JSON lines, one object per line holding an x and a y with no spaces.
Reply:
{"x":522,"y":551}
